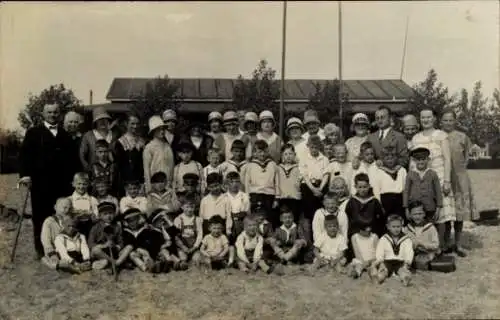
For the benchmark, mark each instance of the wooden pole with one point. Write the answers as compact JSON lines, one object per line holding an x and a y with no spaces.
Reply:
{"x":341,"y":85}
{"x":282,"y":84}
{"x":90,"y":97}
{"x":403,"y":59}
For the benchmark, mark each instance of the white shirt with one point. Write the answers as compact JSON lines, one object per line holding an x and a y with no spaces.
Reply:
{"x":245,"y":242}
{"x":386,"y":249}
{"x":206,"y":171}
{"x":127,"y":202}
{"x":301,"y":151}
{"x":196,"y":141}
{"x":383,"y":182}
{"x":365,"y":246}
{"x":240,"y":202}
{"x":169,"y":136}
{"x":372,"y":171}
{"x":313,"y":167}
{"x":269,"y":139}
{"x":64,"y":244}
{"x":343,"y":170}
{"x":99,"y":136}
{"x":383,"y":133}
{"x":195,"y":227}
{"x":214,"y":246}
{"x":318,"y":224}
{"x":228,"y":141}
{"x":331,"y":248}
{"x":84,"y":202}
{"x":52,"y":128}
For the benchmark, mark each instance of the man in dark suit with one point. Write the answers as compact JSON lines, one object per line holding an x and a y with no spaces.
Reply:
{"x":386,"y":136}
{"x":47,"y":164}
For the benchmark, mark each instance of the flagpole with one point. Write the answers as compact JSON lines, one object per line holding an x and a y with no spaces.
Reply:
{"x":341,"y":85}
{"x":282,"y":84}
{"x":403,"y":59}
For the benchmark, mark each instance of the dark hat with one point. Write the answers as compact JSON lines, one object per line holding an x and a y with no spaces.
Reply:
{"x":190,"y":178}
{"x":185,"y":147}
{"x":131,"y":213}
{"x":420,"y":153}
{"x":157,"y":214}
{"x":194,"y":124}
{"x":238,"y":144}
{"x":214,"y":178}
{"x":106,"y":206}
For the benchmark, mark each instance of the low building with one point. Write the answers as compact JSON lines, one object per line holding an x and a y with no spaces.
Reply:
{"x":201,"y":96}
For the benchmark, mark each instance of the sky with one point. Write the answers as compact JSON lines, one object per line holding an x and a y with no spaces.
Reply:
{"x":86,"y":45}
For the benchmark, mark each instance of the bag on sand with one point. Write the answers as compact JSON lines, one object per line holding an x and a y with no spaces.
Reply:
{"x":443,"y":263}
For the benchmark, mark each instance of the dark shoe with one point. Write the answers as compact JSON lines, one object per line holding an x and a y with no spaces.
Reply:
{"x":157,"y":267}
{"x":460,"y":252}
{"x":448,"y":250}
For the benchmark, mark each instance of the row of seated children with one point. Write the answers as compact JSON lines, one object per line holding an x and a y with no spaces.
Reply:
{"x":148,"y":245}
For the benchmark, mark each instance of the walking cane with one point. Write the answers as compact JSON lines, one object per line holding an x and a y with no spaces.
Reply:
{"x":19,"y":225}
{"x":113,"y":265}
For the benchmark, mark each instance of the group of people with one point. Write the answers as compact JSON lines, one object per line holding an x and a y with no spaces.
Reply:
{"x":237,"y":195}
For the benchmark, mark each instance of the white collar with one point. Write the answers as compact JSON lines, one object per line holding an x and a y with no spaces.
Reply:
{"x":48,"y":125}
{"x":385,"y":132}
{"x":318,"y":158}
{"x":130,"y":142}
{"x":136,"y":199}
{"x":422,"y":173}
{"x":236,"y":195}
{"x":99,"y":136}
{"x":328,"y":213}
{"x":77,"y":196}
{"x":287,"y":230}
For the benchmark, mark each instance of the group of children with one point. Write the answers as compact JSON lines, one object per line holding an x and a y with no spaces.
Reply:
{"x":361,"y":216}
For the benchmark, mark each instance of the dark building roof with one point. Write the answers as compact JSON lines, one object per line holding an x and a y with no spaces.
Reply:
{"x":203,"y":107}
{"x":203,"y":89}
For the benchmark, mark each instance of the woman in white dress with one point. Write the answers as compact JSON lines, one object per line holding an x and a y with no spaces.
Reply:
{"x":360,"y":125}
{"x":440,"y":161}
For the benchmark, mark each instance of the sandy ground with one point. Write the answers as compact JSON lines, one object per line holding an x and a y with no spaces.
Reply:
{"x":29,"y":291}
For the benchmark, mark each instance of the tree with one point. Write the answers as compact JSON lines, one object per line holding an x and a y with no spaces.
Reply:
{"x":325,"y":100}
{"x":10,"y":137}
{"x":476,"y":117}
{"x":259,"y":93}
{"x":158,"y":95}
{"x":431,"y":93}
{"x":58,"y":94}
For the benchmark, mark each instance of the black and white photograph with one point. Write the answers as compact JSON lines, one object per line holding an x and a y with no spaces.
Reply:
{"x":250,"y":160}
